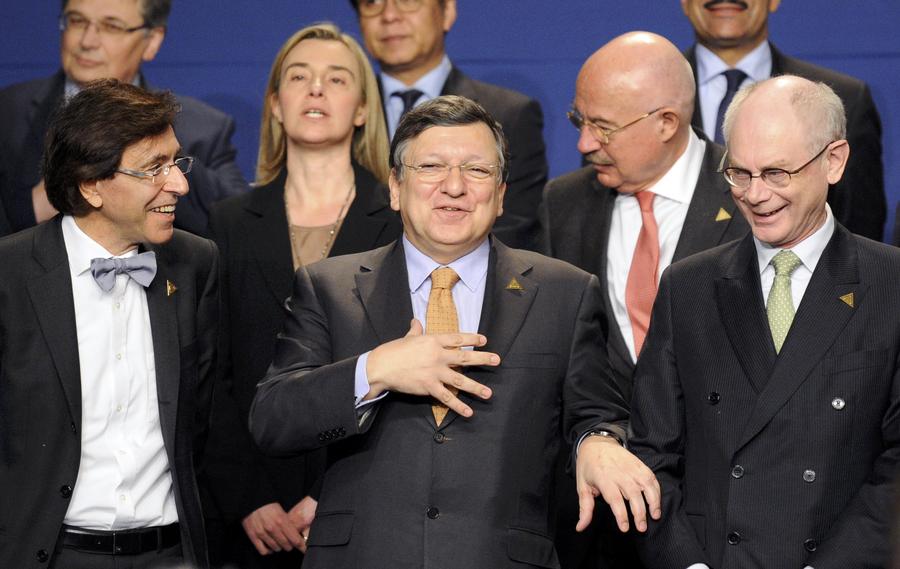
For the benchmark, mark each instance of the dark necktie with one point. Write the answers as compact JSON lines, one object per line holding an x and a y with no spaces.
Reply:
{"x":141,"y":268}
{"x":408,"y":97}
{"x":734,"y":77}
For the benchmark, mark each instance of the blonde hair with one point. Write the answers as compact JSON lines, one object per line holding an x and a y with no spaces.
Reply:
{"x":370,"y":141}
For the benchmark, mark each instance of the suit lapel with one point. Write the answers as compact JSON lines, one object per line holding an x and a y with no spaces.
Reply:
{"x":268,"y":233}
{"x":697,"y":119}
{"x":711,"y":211}
{"x":739,"y":298}
{"x":162,"y":302}
{"x":384,"y":278}
{"x":819,"y":319}
{"x":51,"y":296}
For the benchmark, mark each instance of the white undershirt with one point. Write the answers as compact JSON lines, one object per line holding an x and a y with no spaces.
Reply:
{"x":124,"y":481}
{"x":670,"y":206}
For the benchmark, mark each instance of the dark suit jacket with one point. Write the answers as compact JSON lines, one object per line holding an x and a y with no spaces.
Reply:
{"x":40,"y":384}
{"x":577,"y":213}
{"x":765,"y":460}
{"x":523,"y":123}
{"x":252,"y":233}
{"x":400,"y":492}
{"x":204,"y":133}
{"x":857,"y":200}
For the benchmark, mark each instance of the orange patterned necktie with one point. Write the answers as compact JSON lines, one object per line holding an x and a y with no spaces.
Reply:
{"x":441,"y":318}
{"x":640,"y":289}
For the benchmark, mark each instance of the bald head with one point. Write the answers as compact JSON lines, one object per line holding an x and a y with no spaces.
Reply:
{"x":643,"y":70}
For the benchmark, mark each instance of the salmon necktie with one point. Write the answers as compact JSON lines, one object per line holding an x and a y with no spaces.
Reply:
{"x":441,"y":318}
{"x":640,"y":288}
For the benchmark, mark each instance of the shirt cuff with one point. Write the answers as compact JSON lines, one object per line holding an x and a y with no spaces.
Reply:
{"x":361,"y":383}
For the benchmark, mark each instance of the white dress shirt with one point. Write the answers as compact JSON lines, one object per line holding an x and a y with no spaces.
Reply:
{"x":431,"y":84}
{"x":124,"y":481}
{"x":711,"y":84}
{"x":670,"y":206}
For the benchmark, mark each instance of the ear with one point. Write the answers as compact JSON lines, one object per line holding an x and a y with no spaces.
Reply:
{"x":837,"y":160}
{"x":669,"y":124}
{"x":684,"y":6}
{"x":359,"y":118}
{"x":394,"y":187}
{"x":154,"y":40}
{"x":275,"y":105}
{"x":773,"y":5}
{"x":89,"y":191}
{"x":449,"y":14}
{"x":501,"y":192}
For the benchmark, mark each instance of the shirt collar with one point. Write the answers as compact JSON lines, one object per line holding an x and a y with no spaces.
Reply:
{"x":757,"y":64}
{"x":432,"y":83}
{"x":809,"y":250}
{"x":672,"y":185}
{"x":81,"y":249}
{"x":471,"y":267}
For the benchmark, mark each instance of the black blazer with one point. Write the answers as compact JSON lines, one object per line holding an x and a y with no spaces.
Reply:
{"x":577,"y":212}
{"x":40,"y":384}
{"x":252,"y":233}
{"x":857,"y":200}
{"x":204,"y":133}
{"x":523,"y":123}
{"x":399,"y":491}
{"x":765,"y":460}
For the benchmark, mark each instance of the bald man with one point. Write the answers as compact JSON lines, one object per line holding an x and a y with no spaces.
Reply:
{"x":767,"y":397}
{"x":634,"y":98}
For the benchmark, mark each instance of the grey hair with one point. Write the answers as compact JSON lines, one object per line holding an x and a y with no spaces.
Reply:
{"x":447,"y":110}
{"x":816,"y":102}
{"x":154,"y":12}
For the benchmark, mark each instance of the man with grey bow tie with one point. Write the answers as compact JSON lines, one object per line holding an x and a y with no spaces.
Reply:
{"x":107,"y":347}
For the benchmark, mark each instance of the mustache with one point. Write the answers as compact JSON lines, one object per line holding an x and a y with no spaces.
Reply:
{"x":596,"y":159}
{"x":739,"y":3}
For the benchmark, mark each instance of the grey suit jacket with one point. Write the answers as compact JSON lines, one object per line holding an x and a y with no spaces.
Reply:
{"x":203,"y":132}
{"x":765,"y":460}
{"x":40,"y":384}
{"x":857,"y":200}
{"x":577,"y":212}
{"x":398,"y":491}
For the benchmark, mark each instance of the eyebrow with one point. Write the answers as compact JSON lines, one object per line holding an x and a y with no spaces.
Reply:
{"x":110,"y":19}
{"x":159,"y":157}
{"x":329,"y":67}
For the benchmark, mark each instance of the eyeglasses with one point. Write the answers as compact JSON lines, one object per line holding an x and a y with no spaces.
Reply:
{"x":772,"y":177}
{"x":184,"y":164}
{"x":434,"y":172}
{"x":113,"y":28}
{"x":598,"y":132}
{"x":369,"y":8}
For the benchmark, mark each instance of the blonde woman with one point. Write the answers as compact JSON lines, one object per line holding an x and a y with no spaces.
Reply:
{"x":319,"y":193}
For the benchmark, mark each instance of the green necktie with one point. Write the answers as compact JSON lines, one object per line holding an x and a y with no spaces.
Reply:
{"x":780,"y":306}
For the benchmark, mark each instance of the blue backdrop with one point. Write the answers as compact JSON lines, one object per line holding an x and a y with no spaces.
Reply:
{"x":220,"y":52}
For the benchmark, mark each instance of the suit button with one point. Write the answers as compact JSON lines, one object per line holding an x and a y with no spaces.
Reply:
{"x":838,"y":403}
{"x":341,"y":432}
{"x":322,"y":438}
{"x":734,"y":538}
{"x":737,"y":471}
{"x":432,"y":512}
{"x":809,"y":475}
{"x":74,"y":428}
{"x":810,"y":545}
{"x":42,"y":555}
{"x":439,"y":437}
{"x":713,"y":397}
{"x":65,"y":491}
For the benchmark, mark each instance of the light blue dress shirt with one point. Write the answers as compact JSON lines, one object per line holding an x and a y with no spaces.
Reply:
{"x":431,"y":84}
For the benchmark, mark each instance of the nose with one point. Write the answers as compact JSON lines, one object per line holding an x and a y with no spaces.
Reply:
{"x":587,"y":142}
{"x":176,"y":182}
{"x":90,"y":37}
{"x":455,"y":184}
{"x":390,"y":12}
{"x":315,"y":86}
{"x":757,"y":192}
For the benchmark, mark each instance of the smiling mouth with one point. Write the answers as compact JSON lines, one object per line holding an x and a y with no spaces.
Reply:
{"x":166,"y":209}
{"x":770,"y":213}
{"x":315,"y":113}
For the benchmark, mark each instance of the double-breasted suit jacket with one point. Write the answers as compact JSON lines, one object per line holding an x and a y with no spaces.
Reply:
{"x":577,"y":213}
{"x":40,"y":384}
{"x":765,"y":460}
{"x":400,"y":492}
{"x":252,"y":233}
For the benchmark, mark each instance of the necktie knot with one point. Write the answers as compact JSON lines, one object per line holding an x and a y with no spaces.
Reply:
{"x":409,"y":98}
{"x":785,"y":263}
{"x":141,"y":268}
{"x":734,"y":78}
{"x":645,"y":200}
{"x":444,"y":278}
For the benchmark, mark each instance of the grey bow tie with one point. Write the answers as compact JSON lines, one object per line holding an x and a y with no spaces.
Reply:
{"x":142,"y":268}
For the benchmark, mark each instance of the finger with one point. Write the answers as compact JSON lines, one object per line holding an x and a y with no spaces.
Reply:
{"x":415,"y":328}
{"x":461,"y":339}
{"x":260,"y":546}
{"x":279,"y":534}
{"x":585,"y":509}
{"x":472,"y":358}
{"x":268,"y":539}
{"x":463,"y":383}
{"x":446,"y":397}
{"x":638,"y":511}
{"x":303,"y":545}
{"x":293,"y":535}
{"x":616,"y":503}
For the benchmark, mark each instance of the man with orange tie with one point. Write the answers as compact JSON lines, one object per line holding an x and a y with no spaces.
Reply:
{"x":649,"y":195}
{"x":439,"y":456}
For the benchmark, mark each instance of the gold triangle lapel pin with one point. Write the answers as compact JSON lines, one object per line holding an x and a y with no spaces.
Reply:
{"x":723,"y":215}
{"x":514,"y":285}
{"x":848,"y":299}
{"x":170,"y":288}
